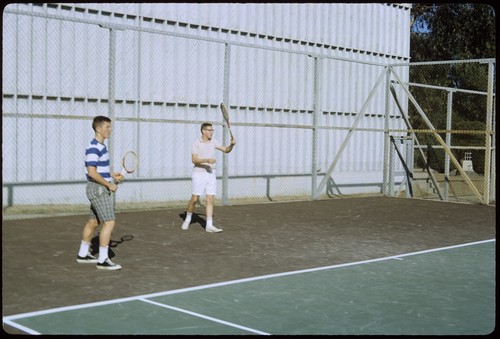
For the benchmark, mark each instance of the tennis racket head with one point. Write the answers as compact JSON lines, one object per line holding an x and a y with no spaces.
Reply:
{"x":130,"y":162}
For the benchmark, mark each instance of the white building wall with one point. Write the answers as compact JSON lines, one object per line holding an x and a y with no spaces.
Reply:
{"x":55,"y":67}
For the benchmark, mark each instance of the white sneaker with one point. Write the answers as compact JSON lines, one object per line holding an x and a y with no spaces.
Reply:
{"x":90,"y":259}
{"x":108,"y":265}
{"x":213,"y":229}
{"x":185,"y":225}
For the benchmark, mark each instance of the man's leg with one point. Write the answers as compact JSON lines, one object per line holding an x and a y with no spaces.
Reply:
{"x":210,"y":212}
{"x":210,"y":208}
{"x":189,"y":212}
{"x":84,"y":255}
{"x":105,"y":239}
{"x":211,"y":192}
{"x":105,"y":210}
{"x":89,"y":229}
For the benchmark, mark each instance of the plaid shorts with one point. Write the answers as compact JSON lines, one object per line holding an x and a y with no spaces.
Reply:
{"x":102,"y":206}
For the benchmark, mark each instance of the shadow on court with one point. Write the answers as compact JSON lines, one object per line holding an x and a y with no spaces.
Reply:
{"x":196,"y":220}
{"x":94,"y":247}
{"x":40,"y":272}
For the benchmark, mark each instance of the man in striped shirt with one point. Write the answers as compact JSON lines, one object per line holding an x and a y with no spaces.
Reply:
{"x":100,"y":189}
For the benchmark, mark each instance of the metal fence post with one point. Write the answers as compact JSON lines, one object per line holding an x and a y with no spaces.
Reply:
{"x":225,"y":99}
{"x":488,"y":140}
{"x":385,"y":180}
{"x":316,"y":110}
{"x":449,"y":111}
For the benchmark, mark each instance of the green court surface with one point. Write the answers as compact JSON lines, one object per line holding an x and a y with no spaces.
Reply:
{"x":442,"y":291}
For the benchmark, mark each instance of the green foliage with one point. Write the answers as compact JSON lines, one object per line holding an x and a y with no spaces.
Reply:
{"x":451,"y":31}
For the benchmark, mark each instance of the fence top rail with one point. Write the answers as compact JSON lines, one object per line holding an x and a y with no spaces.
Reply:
{"x":450,"y":89}
{"x":108,"y":25}
{"x":426,"y":63}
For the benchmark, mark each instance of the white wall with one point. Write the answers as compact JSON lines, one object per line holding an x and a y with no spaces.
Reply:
{"x":55,"y":79}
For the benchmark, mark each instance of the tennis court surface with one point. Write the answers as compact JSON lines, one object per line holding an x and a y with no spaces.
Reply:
{"x":354,"y":266}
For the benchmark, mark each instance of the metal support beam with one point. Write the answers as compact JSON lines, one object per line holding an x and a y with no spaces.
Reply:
{"x":360,"y":114}
{"x":414,"y":136}
{"x":440,"y":140}
{"x":316,"y":112}
{"x":386,"y":189}
{"x":225,"y":133}
{"x":489,"y":139}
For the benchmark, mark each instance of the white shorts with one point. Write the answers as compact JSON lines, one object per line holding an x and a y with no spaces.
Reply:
{"x":204,"y":183}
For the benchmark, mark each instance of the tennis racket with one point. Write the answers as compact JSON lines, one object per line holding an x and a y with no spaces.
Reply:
{"x":225,"y":114}
{"x":129,"y":163}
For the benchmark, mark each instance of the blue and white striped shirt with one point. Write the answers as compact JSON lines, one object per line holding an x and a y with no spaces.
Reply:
{"x":97,"y":155}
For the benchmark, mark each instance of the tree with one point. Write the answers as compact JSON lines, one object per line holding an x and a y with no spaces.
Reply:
{"x":451,"y":31}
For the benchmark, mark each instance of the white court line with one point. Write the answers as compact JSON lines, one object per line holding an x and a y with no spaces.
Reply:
{"x":225,"y":283}
{"x":20,"y":327}
{"x":205,"y":317}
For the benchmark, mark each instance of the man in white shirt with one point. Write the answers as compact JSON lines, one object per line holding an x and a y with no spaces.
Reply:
{"x":204,"y":174}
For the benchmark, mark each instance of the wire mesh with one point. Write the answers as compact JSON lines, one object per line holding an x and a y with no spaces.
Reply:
{"x":295,"y":117}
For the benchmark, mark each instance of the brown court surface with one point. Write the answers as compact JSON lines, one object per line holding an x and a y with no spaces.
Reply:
{"x":39,"y":268}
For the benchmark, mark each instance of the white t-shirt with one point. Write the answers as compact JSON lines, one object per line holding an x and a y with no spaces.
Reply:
{"x":205,"y":150}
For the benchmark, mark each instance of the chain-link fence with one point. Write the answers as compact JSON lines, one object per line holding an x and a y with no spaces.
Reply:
{"x":451,"y":118}
{"x":307,"y":125}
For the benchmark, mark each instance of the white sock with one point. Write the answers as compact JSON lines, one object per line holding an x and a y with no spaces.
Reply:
{"x":84,"y":249}
{"x":210,"y":222}
{"x":103,"y":254}
{"x":188,"y":217}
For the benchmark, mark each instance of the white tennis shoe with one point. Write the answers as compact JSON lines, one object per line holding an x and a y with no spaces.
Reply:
{"x":89,"y":259}
{"x":108,"y":265}
{"x":185,"y":225}
{"x":213,"y":229}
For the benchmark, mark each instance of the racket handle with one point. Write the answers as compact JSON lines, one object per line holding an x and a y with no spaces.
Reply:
{"x":123,"y":172}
